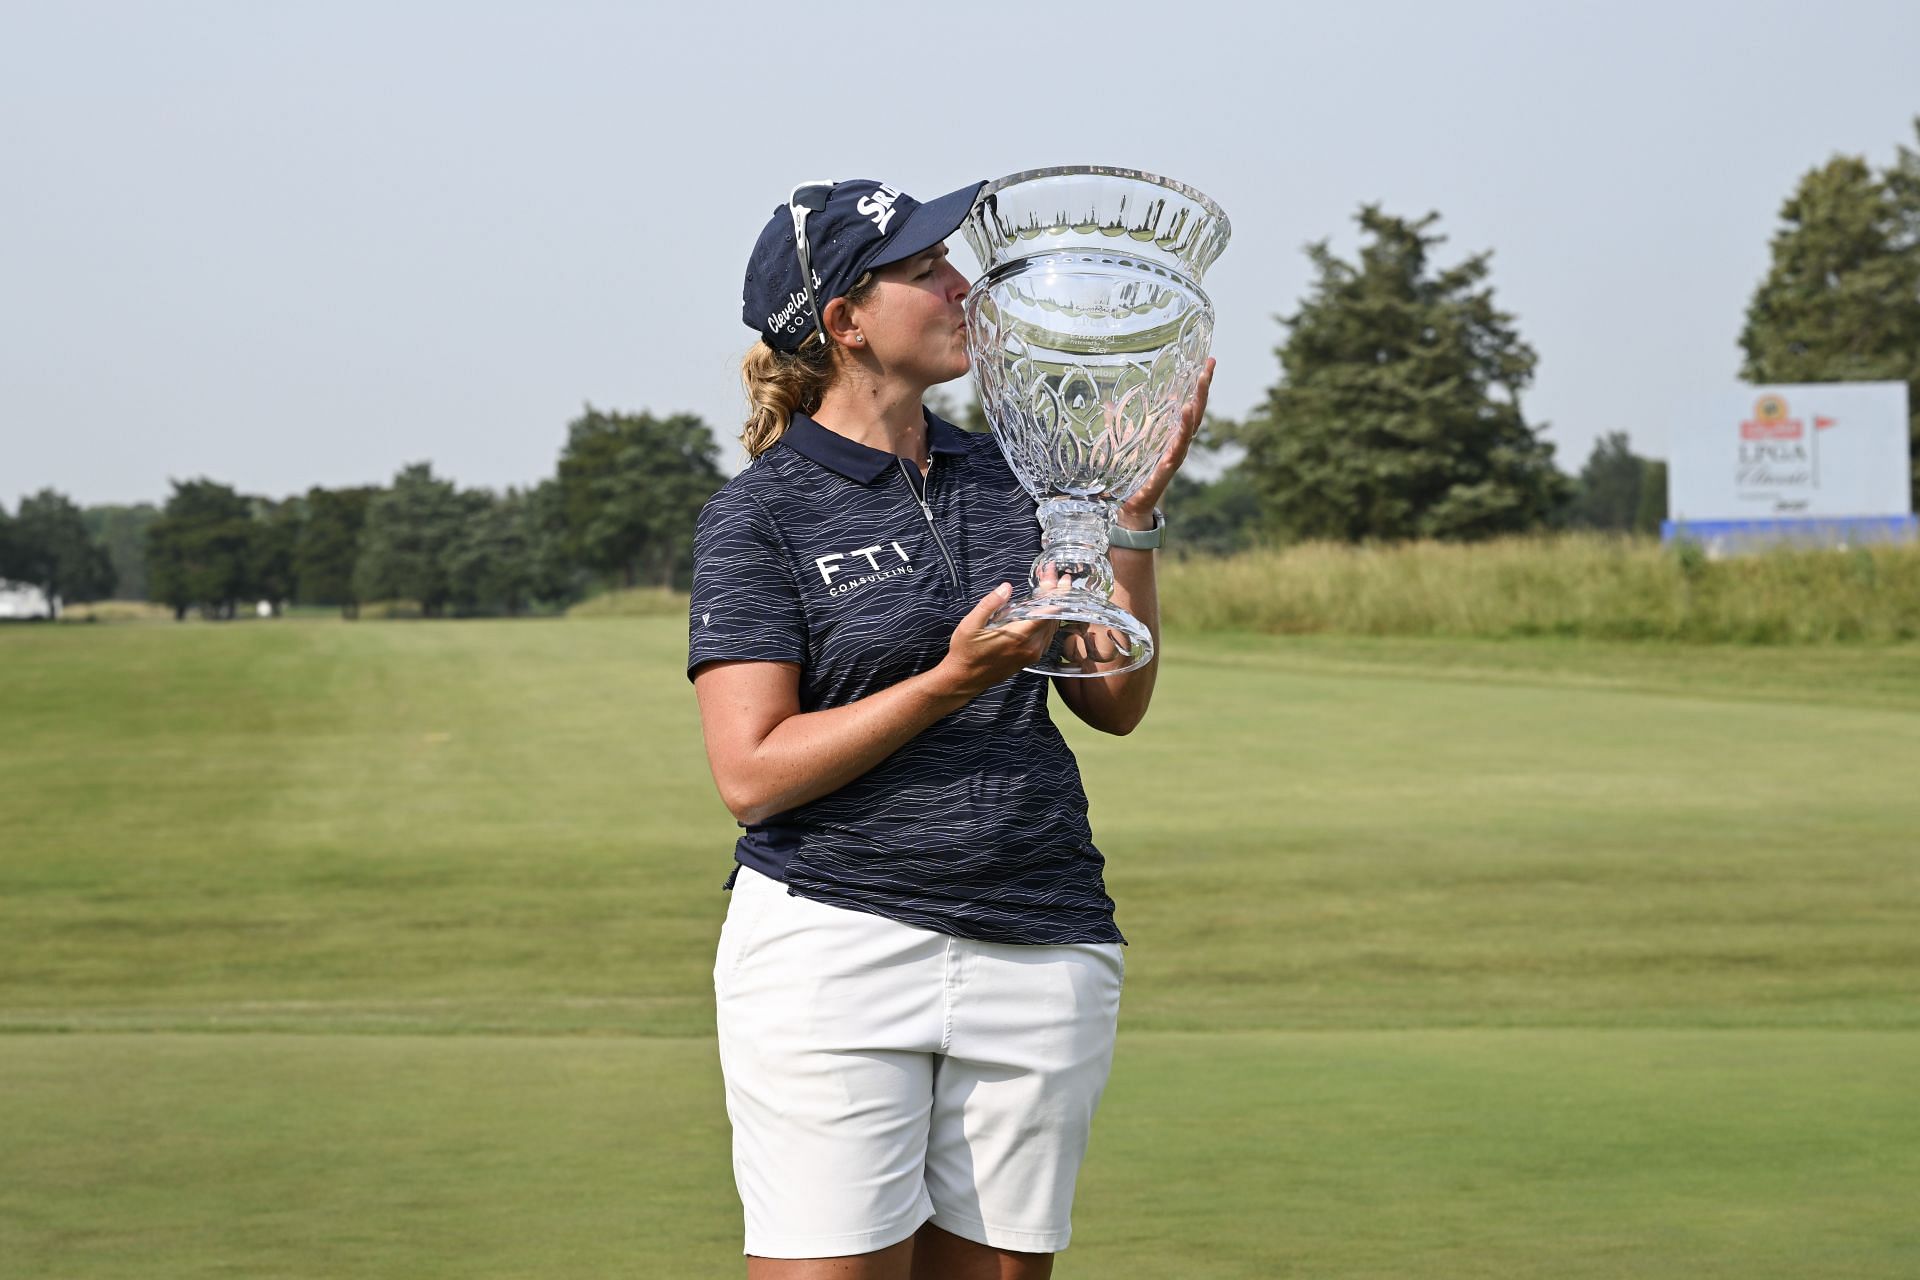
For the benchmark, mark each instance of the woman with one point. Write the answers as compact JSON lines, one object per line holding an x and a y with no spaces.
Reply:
{"x":919,"y":974}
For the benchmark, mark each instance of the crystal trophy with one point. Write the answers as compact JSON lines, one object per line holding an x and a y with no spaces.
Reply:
{"x":1088,"y":332}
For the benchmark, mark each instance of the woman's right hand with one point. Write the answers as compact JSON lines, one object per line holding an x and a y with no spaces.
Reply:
{"x":979,"y":656}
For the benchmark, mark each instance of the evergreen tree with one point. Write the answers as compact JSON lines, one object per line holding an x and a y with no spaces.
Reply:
{"x":511,"y":553}
{"x":276,"y":537}
{"x":1652,"y":511}
{"x":555,"y":577}
{"x":1903,"y":190}
{"x":1222,"y":515}
{"x":1216,"y":517}
{"x":633,"y":486}
{"x":1606,"y":494}
{"x":490,"y":564}
{"x":201,"y":550}
{"x":409,"y":533}
{"x":52,"y":550}
{"x":1397,"y":414}
{"x":8,"y":572}
{"x":123,"y":531}
{"x":1841,"y":301}
{"x":329,"y":546}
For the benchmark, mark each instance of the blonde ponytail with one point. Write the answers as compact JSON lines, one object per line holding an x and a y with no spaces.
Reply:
{"x":780,"y":384}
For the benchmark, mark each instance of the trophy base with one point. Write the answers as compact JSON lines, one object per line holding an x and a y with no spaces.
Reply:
{"x":1090,"y":625}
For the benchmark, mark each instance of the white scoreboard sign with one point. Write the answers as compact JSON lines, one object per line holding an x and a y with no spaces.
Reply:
{"x":1801,"y":451}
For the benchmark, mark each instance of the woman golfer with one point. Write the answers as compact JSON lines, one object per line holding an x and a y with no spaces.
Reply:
{"x":919,"y":973}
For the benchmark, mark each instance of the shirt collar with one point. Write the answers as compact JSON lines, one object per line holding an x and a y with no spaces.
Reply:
{"x":857,"y":461}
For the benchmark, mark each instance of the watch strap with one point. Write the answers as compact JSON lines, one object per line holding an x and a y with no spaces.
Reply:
{"x":1140,"y":539}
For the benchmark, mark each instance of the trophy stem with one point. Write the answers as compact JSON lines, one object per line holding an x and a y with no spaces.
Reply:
{"x":1072,"y":580}
{"x":1073,"y":539}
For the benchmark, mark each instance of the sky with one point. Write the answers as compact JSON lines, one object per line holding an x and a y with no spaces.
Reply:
{"x":300,"y":243}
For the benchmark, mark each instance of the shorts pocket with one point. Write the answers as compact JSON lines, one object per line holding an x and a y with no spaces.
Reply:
{"x":753,"y":897}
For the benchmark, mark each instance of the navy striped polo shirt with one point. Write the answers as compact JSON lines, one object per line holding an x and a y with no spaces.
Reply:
{"x":839,"y":557}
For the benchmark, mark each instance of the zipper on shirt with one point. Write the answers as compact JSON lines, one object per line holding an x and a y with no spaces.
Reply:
{"x":920,"y":500}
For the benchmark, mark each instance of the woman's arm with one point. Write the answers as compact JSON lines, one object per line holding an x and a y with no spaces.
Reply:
{"x":768,"y":756}
{"x":1117,"y":704}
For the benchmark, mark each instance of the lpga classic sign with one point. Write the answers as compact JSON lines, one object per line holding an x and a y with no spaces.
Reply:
{"x":1822,"y":462}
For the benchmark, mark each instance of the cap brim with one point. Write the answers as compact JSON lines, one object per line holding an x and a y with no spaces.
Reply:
{"x":928,"y":225}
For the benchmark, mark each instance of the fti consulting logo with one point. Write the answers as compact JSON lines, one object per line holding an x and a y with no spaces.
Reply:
{"x":880,"y":566}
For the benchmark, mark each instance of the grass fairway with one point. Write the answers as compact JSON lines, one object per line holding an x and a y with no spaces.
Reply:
{"x":1449,"y":958}
{"x":1249,"y":1154}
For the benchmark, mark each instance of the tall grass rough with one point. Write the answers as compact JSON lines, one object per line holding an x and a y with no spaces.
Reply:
{"x":1589,"y":586}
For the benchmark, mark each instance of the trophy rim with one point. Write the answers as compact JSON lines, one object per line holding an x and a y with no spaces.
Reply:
{"x":1199,"y":197}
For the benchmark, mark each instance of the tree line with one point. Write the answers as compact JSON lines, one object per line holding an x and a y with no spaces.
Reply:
{"x":1397,"y":415}
{"x":620,"y":507}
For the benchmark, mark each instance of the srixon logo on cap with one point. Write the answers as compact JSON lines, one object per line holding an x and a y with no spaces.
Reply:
{"x":878,"y":205}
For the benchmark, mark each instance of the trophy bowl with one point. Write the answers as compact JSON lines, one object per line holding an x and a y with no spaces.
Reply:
{"x":1088,"y":332}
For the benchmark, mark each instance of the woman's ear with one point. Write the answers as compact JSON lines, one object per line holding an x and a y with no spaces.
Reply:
{"x":842,"y":326}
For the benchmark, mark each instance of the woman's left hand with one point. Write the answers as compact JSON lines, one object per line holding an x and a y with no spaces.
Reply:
{"x":1137,"y":511}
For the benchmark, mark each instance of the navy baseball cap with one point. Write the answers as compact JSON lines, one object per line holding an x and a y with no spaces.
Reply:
{"x":862,"y":225}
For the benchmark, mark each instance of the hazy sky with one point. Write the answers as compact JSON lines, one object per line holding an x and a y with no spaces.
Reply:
{"x":285,"y":244}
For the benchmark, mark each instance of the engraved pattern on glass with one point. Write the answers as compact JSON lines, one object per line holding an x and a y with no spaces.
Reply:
{"x":1088,"y":332}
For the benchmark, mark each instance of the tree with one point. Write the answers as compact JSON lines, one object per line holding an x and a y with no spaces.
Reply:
{"x":1841,"y":301}
{"x":404,"y":545}
{"x":556,"y":577}
{"x":511,"y":553}
{"x":201,"y":550}
{"x":329,"y":545}
{"x":122,"y":530}
{"x":1606,"y":494}
{"x":490,"y":564}
{"x":1397,"y":414}
{"x":7,"y":572}
{"x":1652,"y":512}
{"x":276,"y":537}
{"x":632,"y":487}
{"x":52,"y":550}
{"x":1218,"y":516}
{"x":1214,"y":517}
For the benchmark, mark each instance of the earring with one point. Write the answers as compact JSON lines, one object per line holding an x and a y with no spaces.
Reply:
{"x":858,"y":337}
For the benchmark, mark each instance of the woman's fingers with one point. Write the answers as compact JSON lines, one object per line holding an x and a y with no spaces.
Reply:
{"x":1087,"y":646}
{"x":976,"y":619}
{"x":1195,"y":410}
{"x":1192,"y":414}
{"x":990,"y":648}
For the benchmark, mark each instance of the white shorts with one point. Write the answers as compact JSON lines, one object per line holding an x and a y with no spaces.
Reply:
{"x":880,"y":1075}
